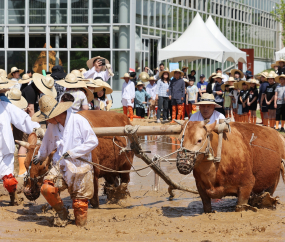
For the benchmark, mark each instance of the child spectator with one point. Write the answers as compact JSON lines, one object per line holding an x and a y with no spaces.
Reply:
{"x":227,"y":99}
{"x":141,"y":96}
{"x":202,"y":85}
{"x":191,"y":97}
{"x":279,"y":102}
{"x":242,"y":101}
{"x":252,"y":99}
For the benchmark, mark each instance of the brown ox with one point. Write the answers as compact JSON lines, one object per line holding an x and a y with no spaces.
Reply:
{"x":106,"y":154}
{"x":244,"y":168}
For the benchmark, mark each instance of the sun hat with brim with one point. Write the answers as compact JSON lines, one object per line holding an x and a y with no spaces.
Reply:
{"x":89,"y":63}
{"x":89,"y":94}
{"x":3,"y":73}
{"x":151,"y":78}
{"x":45,"y":84}
{"x":78,"y":74}
{"x":207,"y":98}
{"x":186,"y":80}
{"x":50,"y":108}
{"x":223,"y":87}
{"x":233,"y":71}
{"x":274,"y":65}
{"x":231,"y":79}
{"x":71,"y":81}
{"x":14,"y":69}
{"x":100,"y":85}
{"x":16,"y":98}
{"x":162,"y":72}
{"x":278,"y":62}
{"x":144,"y":77}
{"x":273,"y":73}
{"x":176,"y":70}
{"x":184,"y":67}
{"x":6,"y":83}
{"x":210,"y":77}
{"x":140,"y":83}
{"x":253,"y":81}
{"x":126,"y":75}
{"x":277,"y":79}
{"x":25,"y":79}
{"x":270,"y":76}
{"x":240,"y":84}
{"x":219,"y":75}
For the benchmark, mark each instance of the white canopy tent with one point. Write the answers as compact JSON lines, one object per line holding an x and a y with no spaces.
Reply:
{"x":280,"y":54}
{"x":197,"y":42}
{"x":239,"y":56}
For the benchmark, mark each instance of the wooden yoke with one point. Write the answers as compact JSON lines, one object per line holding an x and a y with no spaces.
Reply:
{"x":221,"y":128}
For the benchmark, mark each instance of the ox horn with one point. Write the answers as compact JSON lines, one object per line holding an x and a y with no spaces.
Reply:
{"x":179,"y":122}
{"x":23,"y":143}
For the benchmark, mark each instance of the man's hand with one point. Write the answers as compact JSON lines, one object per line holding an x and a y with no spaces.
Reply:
{"x":182,"y":98}
{"x":133,"y":100}
{"x":36,"y":160}
{"x":40,"y":133}
{"x":275,"y":105}
{"x":66,"y":155}
{"x":156,"y":98}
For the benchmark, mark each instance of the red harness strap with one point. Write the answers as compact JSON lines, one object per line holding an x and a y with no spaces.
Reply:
{"x":10,"y":183}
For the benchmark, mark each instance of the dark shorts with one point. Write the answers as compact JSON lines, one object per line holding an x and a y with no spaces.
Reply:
{"x":176,"y":101}
{"x":264,"y":109}
{"x":140,"y":112}
{"x":271,"y":106}
{"x":245,"y":109}
{"x":19,"y":135}
{"x":280,"y":112}
{"x":253,"y":107}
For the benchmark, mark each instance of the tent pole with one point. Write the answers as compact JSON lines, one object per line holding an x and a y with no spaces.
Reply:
{"x":223,"y":61}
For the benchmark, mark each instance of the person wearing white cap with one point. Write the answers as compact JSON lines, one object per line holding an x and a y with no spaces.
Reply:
{"x":128,"y":95}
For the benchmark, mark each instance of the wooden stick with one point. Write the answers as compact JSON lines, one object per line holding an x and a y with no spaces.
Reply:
{"x":142,"y":130}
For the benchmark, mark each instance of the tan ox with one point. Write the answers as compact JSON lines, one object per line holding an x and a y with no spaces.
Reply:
{"x":106,"y":154}
{"x":245,"y":168}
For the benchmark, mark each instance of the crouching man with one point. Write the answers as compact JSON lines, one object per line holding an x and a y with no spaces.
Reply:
{"x":72,"y":137}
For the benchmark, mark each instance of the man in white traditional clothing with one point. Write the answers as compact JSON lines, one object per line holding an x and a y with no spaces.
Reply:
{"x":128,"y":95}
{"x":10,"y":114}
{"x":72,"y":137}
{"x":207,"y":110}
{"x":98,"y":67}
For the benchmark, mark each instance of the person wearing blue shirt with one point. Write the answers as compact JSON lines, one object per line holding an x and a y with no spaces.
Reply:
{"x":140,"y":98}
{"x":202,"y":86}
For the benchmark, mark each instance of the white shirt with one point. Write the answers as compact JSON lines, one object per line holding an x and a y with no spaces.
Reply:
{"x":216,"y":116}
{"x":151,"y":90}
{"x":226,"y":77}
{"x":10,"y":114}
{"x":128,"y":90}
{"x":76,"y":137}
{"x":92,"y":73}
{"x":17,"y":85}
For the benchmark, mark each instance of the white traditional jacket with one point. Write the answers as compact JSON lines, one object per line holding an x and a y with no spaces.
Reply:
{"x":128,"y":90}
{"x":151,"y":90}
{"x":92,"y":73}
{"x":216,"y":116}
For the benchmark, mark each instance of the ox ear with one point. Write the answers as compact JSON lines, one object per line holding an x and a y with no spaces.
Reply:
{"x":210,"y":127}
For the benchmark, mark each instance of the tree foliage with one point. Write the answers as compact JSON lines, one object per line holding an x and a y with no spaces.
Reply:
{"x":279,"y":16}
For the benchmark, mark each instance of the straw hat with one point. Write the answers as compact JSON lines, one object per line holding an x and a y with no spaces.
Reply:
{"x":16,"y":98}
{"x":226,"y":84}
{"x":45,"y":84}
{"x":254,"y":82}
{"x":273,"y":73}
{"x":6,"y":83}
{"x":274,"y":65}
{"x":210,"y":77}
{"x":126,"y":75}
{"x":278,"y":62}
{"x":78,"y":74}
{"x":90,"y":83}
{"x":186,"y":80}
{"x":162,"y":72}
{"x":82,"y":70}
{"x":14,"y":69}
{"x":151,"y":78}
{"x":277,"y":79}
{"x":25,"y":79}
{"x":184,"y":67}
{"x":3,"y":73}
{"x":207,"y":98}
{"x":144,"y":77}
{"x":239,"y":84}
{"x":50,"y":108}
{"x":219,"y":75}
{"x":176,"y":70}
{"x":233,"y":71}
{"x":89,"y":63}
{"x":270,"y":76}
{"x":100,"y":85}
{"x":231,"y":79}
{"x":140,"y":83}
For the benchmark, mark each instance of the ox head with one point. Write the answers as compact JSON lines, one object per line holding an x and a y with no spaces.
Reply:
{"x":31,"y":185}
{"x":194,"y":145}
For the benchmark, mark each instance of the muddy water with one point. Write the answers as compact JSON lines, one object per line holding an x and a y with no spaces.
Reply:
{"x":147,"y":214}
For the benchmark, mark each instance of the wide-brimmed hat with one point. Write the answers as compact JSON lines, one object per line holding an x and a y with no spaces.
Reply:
{"x":89,"y":63}
{"x":126,"y":75}
{"x":271,"y":76}
{"x":210,"y":77}
{"x":151,"y":78}
{"x":274,"y":65}
{"x":3,"y":73}
{"x":45,"y":84}
{"x":186,"y":80}
{"x":101,"y":84}
{"x":184,"y":67}
{"x":262,"y":74}
{"x":176,"y":70}
{"x":239,"y":84}
{"x":82,"y":70}
{"x":231,"y":79}
{"x":139,"y":83}
{"x":277,"y":79}
{"x":144,"y":76}
{"x":50,"y":108}
{"x":6,"y":83}
{"x":233,"y":71}
{"x":14,"y":69}
{"x":223,"y":87}
{"x":254,"y":82}
{"x":207,"y":98}
{"x":25,"y":79}
{"x":273,"y":73}
{"x":218,"y":75}
{"x":278,"y":62}
{"x":16,"y":98}
{"x":90,"y":83}
{"x":162,"y":72}
{"x":78,"y":74}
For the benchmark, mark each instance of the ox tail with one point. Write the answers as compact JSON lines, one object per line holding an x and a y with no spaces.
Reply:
{"x":283,"y":169}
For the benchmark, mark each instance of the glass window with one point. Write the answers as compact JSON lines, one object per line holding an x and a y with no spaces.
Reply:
{"x":139,"y":11}
{"x":145,"y":12}
{"x":157,"y":24}
{"x":121,"y":11}
{"x":120,"y":64}
{"x":151,"y":13}
{"x":16,"y":41}
{"x":58,"y":58}
{"x":138,"y":66}
{"x":145,"y":30}
{"x":138,"y":44}
{"x":58,"y":40}
{"x":163,"y":15}
{"x":37,"y":40}
{"x":79,"y":41}
{"x":180,"y":20}
{"x":185,"y":19}
{"x":2,"y":60}
{"x":37,"y":12}
{"x":121,"y":37}
{"x":58,"y":11}
{"x":2,"y":12}
{"x":101,"y":40}
{"x":151,"y":31}
{"x":57,"y":29}
{"x":79,"y":11}
{"x":174,"y":18}
{"x":169,"y":17}
{"x":13,"y":29}
{"x":163,"y":39}
{"x":2,"y":39}
{"x":16,"y":12}
{"x":101,"y":11}
{"x":16,"y":58}
{"x":79,"y":29}
{"x":78,"y":59}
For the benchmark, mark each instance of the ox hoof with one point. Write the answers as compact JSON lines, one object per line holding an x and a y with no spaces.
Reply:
{"x":246,"y":207}
{"x":94,"y":203}
{"x":15,"y":200}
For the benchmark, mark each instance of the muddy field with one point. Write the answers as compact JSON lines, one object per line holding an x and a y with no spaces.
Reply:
{"x":147,"y":215}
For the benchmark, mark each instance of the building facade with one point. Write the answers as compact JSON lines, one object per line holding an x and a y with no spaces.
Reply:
{"x":38,"y":34}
